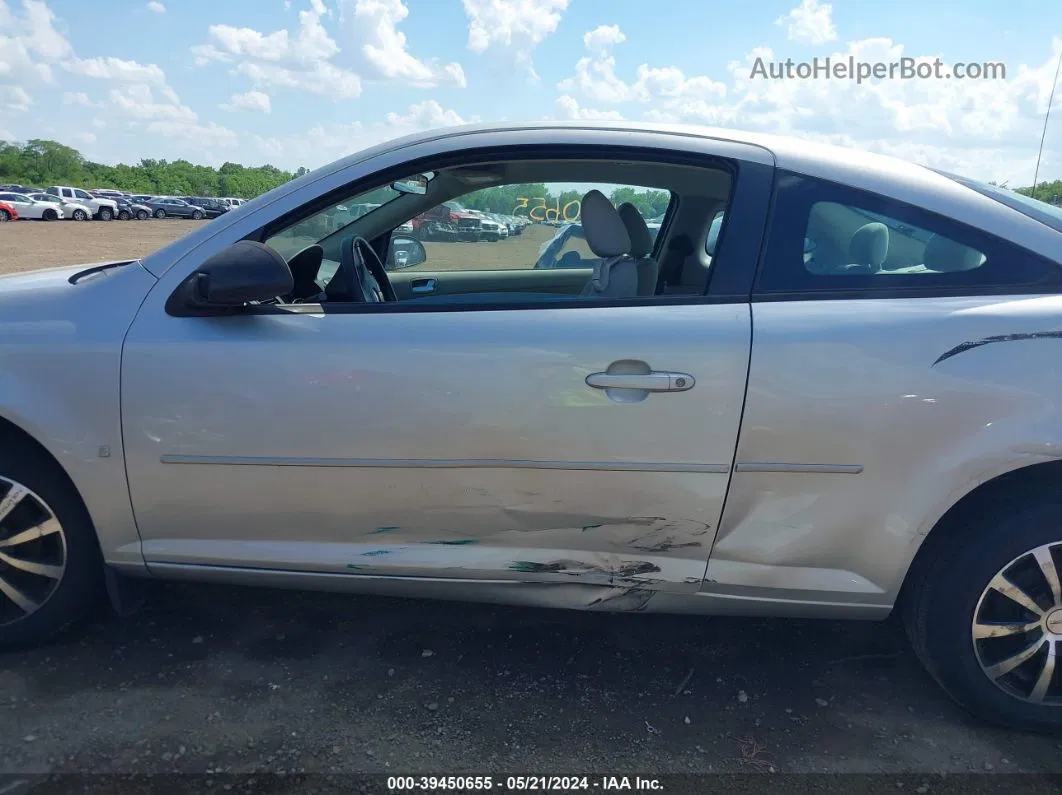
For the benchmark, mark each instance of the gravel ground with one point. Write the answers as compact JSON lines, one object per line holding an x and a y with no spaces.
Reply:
{"x":244,"y":680}
{"x":28,"y":245}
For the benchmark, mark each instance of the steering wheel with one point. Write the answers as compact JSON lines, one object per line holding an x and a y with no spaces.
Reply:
{"x":360,"y":277}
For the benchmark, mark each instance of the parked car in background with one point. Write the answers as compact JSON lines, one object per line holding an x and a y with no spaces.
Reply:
{"x":73,"y":210}
{"x":211,"y":207}
{"x":7,"y":212}
{"x":467,"y":224}
{"x":102,"y":209}
{"x":129,"y":210}
{"x":107,"y":193}
{"x":32,"y":209}
{"x":165,"y":207}
{"x":231,"y":202}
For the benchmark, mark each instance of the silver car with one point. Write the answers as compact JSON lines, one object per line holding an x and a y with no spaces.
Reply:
{"x":845,"y":404}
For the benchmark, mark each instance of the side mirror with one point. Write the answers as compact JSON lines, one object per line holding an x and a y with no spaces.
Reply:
{"x":417,"y":184}
{"x":405,"y":252}
{"x":238,"y":275}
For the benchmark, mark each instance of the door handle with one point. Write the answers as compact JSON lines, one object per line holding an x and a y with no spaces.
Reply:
{"x":422,"y":286}
{"x":655,"y":381}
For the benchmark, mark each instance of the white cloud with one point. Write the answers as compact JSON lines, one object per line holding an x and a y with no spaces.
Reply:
{"x":514,"y":26}
{"x":569,"y":108}
{"x":323,"y":78}
{"x":156,"y":6}
{"x":668,"y":87}
{"x":210,"y":135}
{"x":299,"y":61}
{"x":79,"y":98}
{"x":324,"y":143}
{"x":603,"y":37}
{"x":810,"y":22}
{"x":138,"y":102}
{"x":30,"y":41}
{"x":374,"y":23}
{"x":251,"y":100}
{"x":14,"y":98}
{"x":84,"y":137}
{"x":111,"y":68}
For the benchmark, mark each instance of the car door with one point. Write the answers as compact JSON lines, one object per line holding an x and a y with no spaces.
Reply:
{"x":554,"y":443}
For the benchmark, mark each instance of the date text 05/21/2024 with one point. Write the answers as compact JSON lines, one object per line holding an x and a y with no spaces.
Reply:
{"x":521,"y":783}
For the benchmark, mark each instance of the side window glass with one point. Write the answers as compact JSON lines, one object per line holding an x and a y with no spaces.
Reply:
{"x":827,"y":237}
{"x":521,"y":227}
{"x":81,"y":194}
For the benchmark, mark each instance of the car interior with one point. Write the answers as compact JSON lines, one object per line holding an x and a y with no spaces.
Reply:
{"x":847,"y":240}
{"x":348,"y":264}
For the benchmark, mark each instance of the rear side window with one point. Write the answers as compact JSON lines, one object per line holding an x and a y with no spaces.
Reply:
{"x":827,"y":237}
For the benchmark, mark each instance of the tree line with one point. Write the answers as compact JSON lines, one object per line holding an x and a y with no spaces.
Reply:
{"x":40,"y":163}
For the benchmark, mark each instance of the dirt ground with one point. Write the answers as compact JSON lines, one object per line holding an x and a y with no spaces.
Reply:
{"x":223,"y":681}
{"x":29,"y":245}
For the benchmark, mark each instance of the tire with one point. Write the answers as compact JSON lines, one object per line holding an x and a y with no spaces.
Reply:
{"x":197,"y":216}
{"x":142,"y":215}
{"x":5,"y":216}
{"x":160,"y":213}
{"x":945,"y":597}
{"x":124,"y":215}
{"x":106,"y":214}
{"x":63,"y":601}
{"x":50,"y":215}
{"x":80,"y":215}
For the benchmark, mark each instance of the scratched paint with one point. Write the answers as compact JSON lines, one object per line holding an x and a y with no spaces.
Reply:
{"x":971,"y":344}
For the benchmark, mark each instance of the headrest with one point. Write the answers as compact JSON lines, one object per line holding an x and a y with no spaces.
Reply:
{"x":870,"y":244}
{"x":603,"y":228}
{"x":946,"y":256}
{"x":637,"y":231}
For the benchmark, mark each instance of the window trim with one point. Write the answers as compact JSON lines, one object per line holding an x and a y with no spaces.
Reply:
{"x":856,"y":290}
{"x":731,"y":282}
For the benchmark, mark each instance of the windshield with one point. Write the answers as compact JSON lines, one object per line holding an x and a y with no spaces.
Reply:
{"x":1045,"y":213}
{"x":337,"y":216}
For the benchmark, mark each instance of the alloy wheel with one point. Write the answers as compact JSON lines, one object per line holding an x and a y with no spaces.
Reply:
{"x":32,"y":552}
{"x":1017,"y":627}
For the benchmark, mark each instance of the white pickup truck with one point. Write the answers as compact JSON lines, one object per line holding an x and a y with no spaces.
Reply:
{"x":102,"y":209}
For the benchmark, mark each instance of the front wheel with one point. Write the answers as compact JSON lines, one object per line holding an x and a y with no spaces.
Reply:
{"x":984,"y":613}
{"x":197,"y":216}
{"x":124,"y":215}
{"x":50,"y":215}
{"x":50,"y":570}
{"x":160,"y":213}
{"x":106,"y":214}
{"x":80,"y":215}
{"x":142,"y":215}
{"x":5,"y":216}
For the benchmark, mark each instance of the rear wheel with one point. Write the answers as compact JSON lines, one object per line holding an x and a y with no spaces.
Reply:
{"x":4,"y":216}
{"x":142,"y":215}
{"x":80,"y":215}
{"x":985,"y":613}
{"x":160,"y":213}
{"x":124,"y":215}
{"x":50,"y":565}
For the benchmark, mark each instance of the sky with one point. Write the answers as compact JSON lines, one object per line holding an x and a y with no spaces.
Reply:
{"x":303,"y":82}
